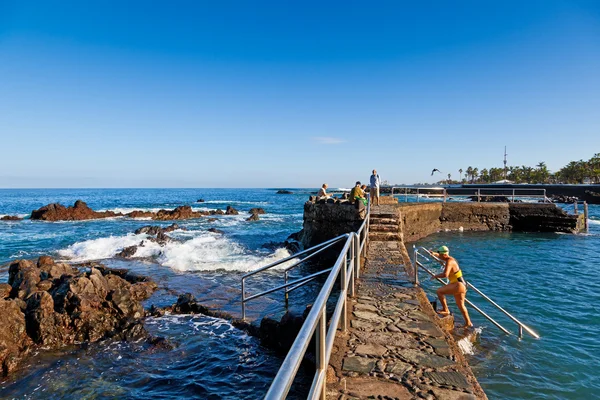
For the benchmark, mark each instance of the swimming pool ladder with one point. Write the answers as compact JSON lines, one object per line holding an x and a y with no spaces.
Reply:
{"x":418,"y":264}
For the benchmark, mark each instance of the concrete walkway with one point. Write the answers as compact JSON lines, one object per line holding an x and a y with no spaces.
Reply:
{"x":393,"y":348}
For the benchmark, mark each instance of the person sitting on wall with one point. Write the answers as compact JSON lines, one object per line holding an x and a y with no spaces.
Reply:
{"x":357,"y":194}
{"x":456,"y":287}
{"x":323,"y":192}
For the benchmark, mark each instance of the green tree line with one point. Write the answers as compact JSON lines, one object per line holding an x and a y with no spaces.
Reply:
{"x":574,"y":172}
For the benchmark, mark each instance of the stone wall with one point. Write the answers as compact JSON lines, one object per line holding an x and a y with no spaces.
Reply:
{"x":326,"y":220}
{"x":419,"y":220}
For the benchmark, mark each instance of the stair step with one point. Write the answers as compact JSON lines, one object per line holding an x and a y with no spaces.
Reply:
{"x":384,"y":236}
{"x":384,"y":215}
{"x":383,"y":228}
{"x":383,"y":221}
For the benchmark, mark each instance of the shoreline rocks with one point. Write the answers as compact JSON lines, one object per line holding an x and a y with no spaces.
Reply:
{"x":11,"y":218}
{"x":50,"y":305}
{"x":80,"y":211}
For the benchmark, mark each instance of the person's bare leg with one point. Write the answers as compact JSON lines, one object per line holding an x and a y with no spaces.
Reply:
{"x":460,"y":302}
{"x":442,"y":292}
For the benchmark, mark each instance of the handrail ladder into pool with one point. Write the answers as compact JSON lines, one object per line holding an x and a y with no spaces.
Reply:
{"x":479,"y":192}
{"x":347,"y":266}
{"x":416,"y":281}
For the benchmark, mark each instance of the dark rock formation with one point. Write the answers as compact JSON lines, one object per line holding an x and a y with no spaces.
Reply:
{"x":53,"y":304}
{"x":231,"y":211}
{"x":284,"y":192}
{"x":215,"y":230}
{"x":127,"y":252}
{"x":200,"y":201}
{"x":80,"y":211}
{"x":181,"y":212}
{"x":155,"y":230}
{"x":492,"y":199}
{"x":541,"y":218}
{"x":559,"y":198}
{"x":256,"y":210}
{"x":253,"y":217}
{"x":10,"y":218}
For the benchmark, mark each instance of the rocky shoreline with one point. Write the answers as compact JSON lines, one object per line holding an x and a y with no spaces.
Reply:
{"x":80,"y":211}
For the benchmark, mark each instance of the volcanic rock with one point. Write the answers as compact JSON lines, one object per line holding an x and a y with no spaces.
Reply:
{"x":127,"y":252}
{"x":284,"y":192}
{"x":200,"y":201}
{"x":80,"y":211}
{"x":215,"y":230}
{"x":257,"y":210}
{"x":231,"y":211}
{"x":10,"y":218}
{"x":253,"y":217}
{"x":54,"y":304}
{"x":154,"y":229}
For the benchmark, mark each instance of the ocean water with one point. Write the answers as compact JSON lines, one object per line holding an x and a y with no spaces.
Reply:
{"x":211,"y":359}
{"x":550,"y":283}
{"x":547,"y":280}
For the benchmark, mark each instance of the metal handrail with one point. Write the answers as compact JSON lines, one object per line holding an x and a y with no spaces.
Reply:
{"x":519,"y":323}
{"x":347,"y":268}
{"x":302,"y":281}
{"x":479,"y":192}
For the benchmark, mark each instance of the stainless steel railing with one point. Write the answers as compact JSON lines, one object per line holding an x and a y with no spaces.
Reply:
{"x":521,"y":325}
{"x":347,"y":268}
{"x":446,"y":193}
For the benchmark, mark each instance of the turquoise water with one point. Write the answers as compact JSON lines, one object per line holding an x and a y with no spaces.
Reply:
{"x":549,"y":282}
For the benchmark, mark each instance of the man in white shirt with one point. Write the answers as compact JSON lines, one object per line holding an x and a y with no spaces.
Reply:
{"x":375,"y":182}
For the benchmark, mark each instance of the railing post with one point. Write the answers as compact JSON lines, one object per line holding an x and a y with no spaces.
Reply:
{"x":343,"y":292}
{"x":417,"y":195}
{"x":406,"y":195}
{"x":416,"y":266}
{"x":520,"y":332}
{"x":586,"y":216}
{"x":513,"y":195}
{"x":575,"y":207}
{"x":478,"y":195}
{"x":445,"y":195}
{"x":243,"y":298}
{"x":356,"y":256}
{"x":320,"y":337}
{"x":287,"y":295}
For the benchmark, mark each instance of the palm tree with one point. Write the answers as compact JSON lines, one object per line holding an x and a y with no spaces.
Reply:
{"x":460,"y":174}
{"x":474,"y":174}
{"x":449,"y":181}
{"x":469,"y":172}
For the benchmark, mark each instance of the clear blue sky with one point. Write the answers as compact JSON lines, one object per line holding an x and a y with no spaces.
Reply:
{"x":291,"y":94}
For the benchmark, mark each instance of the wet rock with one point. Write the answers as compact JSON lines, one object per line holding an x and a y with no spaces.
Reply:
{"x":284,"y":192}
{"x":212,"y":220}
{"x":253,"y":217}
{"x":200,"y":201}
{"x":231,"y":211}
{"x":61,"y":305}
{"x":14,"y":341}
{"x":5,"y":290}
{"x":257,"y":210}
{"x":127,"y":252}
{"x":78,"y":212}
{"x":215,"y":230}
{"x":155,"y":230}
{"x":10,"y":218}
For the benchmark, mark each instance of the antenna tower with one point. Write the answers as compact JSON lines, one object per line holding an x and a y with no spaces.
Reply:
{"x":505,"y":169}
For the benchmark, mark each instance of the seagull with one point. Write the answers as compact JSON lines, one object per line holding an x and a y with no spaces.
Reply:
{"x":435,"y":170}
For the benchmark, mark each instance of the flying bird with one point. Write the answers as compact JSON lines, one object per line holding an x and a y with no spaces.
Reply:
{"x":435,"y":170}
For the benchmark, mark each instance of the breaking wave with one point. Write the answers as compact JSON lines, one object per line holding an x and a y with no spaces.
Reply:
{"x":204,"y":252}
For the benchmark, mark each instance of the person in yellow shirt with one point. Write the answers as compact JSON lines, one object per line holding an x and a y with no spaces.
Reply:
{"x":358,"y":194}
{"x":456,"y":287}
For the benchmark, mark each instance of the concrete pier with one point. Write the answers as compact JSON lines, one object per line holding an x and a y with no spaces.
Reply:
{"x":396,"y":347}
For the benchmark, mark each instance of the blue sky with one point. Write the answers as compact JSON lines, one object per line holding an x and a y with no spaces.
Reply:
{"x":291,"y":94}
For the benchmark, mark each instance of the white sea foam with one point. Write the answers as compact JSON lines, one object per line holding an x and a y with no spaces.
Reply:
{"x":204,"y":252}
{"x":466,"y":343}
{"x":18,"y":215}
{"x":594,"y":222}
{"x":259,"y":203}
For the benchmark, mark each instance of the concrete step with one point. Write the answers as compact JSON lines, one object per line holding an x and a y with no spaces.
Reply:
{"x":383,"y":215}
{"x":383,"y":221}
{"x":383,"y":228}
{"x":384,"y":236}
